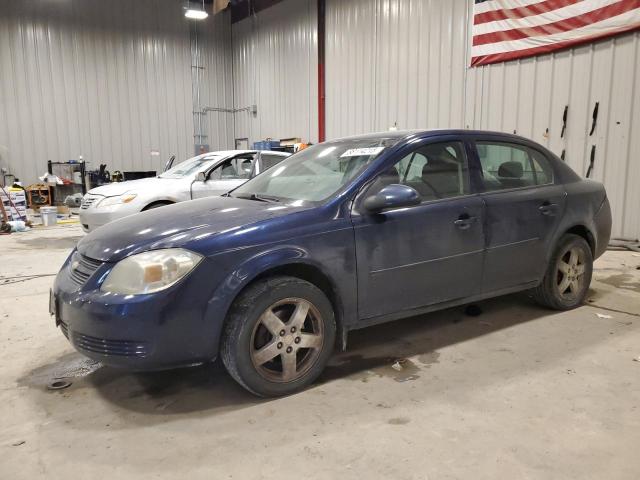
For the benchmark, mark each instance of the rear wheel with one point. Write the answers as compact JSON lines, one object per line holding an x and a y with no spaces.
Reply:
{"x":279,"y":335}
{"x":568,"y":275}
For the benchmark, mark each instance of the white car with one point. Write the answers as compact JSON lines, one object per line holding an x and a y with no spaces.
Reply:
{"x":212,"y":173}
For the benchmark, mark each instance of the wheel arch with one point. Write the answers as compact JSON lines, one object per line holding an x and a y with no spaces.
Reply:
{"x":584,"y":232}
{"x":293,"y":262}
{"x":312,"y":274}
{"x":158,"y":202}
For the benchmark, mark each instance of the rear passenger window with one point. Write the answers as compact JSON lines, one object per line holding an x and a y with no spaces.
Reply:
{"x":507,"y":165}
{"x":436,"y":171}
{"x":269,"y":161}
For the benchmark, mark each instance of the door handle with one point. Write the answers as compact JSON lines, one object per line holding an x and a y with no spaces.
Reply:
{"x":464,"y":221}
{"x":548,"y":208}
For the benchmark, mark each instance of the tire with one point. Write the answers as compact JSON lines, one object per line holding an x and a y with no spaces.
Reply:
{"x":156,"y":205}
{"x":270,"y":350}
{"x":567,"y":279}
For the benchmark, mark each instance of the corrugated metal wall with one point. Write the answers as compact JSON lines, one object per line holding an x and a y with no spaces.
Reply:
{"x":110,"y":81}
{"x":394,"y":62}
{"x":275,"y":68}
{"x":405,"y":62}
{"x":215,"y":67}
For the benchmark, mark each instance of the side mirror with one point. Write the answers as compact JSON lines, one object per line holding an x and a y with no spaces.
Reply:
{"x":392,"y":196}
{"x":201,"y":177}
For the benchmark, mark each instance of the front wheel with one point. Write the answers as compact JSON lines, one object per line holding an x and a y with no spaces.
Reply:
{"x":568,"y":275}
{"x":278,"y":336}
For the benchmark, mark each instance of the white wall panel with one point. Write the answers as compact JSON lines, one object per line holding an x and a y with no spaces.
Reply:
{"x":110,"y":81}
{"x":216,"y":82}
{"x":275,"y":68}
{"x":350,"y":67}
{"x":394,"y":62}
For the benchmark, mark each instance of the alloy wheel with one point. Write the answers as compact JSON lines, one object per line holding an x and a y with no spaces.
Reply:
{"x":287,"y":340}
{"x":570,"y":273}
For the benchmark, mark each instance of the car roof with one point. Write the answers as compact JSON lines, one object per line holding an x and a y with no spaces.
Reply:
{"x":231,"y":153}
{"x":400,"y":134}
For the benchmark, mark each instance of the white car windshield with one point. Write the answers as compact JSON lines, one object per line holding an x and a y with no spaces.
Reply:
{"x":190,"y":167}
{"x":316,"y":173}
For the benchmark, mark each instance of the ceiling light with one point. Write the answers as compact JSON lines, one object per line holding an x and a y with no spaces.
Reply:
{"x":196,"y":14}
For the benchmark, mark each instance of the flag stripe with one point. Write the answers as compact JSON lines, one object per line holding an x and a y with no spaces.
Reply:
{"x":520,"y":12}
{"x":563,"y":25}
{"x":611,"y":24}
{"x":574,"y":10}
{"x":501,"y":4}
{"x":512,"y":55}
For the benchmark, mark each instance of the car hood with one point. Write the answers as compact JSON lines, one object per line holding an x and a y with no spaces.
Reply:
{"x":143,"y":185}
{"x":184,"y":224}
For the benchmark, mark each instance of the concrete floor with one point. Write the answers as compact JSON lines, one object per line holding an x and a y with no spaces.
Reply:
{"x":517,"y":392}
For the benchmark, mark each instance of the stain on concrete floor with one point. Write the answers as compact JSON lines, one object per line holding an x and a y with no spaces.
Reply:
{"x":622,"y":280}
{"x":68,"y":367}
{"x":398,"y":421}
{"x":56,"y":243}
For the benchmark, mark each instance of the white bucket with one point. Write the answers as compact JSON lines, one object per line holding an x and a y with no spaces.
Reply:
{"x":49,"y":215}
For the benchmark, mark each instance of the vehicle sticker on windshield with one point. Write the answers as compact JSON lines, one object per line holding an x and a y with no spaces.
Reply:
{"x":357,"y":152}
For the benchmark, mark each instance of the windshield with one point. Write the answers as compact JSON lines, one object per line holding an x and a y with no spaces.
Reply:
{"x":191,"y":167}
{"x":315,"y":173}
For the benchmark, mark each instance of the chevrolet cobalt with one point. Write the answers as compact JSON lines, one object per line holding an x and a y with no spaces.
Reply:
{"x":342,"y":235}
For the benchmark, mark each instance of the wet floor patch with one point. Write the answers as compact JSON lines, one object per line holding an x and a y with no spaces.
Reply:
{"x":428,"y":359}
{"x":159,"y":394}
{"x":625,"y":281}
{"x":67,"y":368}
{"x":357,"y":367}
{"x":56,"y":243}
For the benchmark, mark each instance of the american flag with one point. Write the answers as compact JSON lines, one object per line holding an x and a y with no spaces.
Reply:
{"x":508,"y":29}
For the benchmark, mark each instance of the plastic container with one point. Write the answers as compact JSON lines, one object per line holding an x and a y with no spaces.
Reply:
{"x":49,"y":215}
{"x":266,"y":145}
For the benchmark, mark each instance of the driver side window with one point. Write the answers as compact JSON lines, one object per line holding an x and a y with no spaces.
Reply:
{"x":233,"y":169}
{"x":437,"y":170}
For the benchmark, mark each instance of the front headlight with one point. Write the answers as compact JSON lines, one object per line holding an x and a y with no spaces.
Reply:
{"x":150,"y":272}
{"x":124,"y":198}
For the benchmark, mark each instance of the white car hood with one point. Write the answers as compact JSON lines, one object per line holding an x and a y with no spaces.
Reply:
{"x":143,"y":185}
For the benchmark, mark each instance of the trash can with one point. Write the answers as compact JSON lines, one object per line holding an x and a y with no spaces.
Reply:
{"x":49,"y":215}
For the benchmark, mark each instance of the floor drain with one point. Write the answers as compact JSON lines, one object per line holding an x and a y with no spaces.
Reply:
{"x":58,"y":385}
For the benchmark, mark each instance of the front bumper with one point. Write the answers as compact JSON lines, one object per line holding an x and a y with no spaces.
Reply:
{"x":95,"y":216}
{"x":139,"y":332}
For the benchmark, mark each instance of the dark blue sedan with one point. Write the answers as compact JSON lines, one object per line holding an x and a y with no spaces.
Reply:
{"x":342,"y":235}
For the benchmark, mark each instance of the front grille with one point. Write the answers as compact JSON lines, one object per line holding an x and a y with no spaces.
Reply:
{"x":102,"y":346}
{"x":87,"y":201}
{"x":82,"y":268}
{"x":124,"y":348}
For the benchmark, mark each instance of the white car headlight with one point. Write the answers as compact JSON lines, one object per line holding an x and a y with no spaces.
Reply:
{"x":117,"y":200}
{"x":150,"y":272}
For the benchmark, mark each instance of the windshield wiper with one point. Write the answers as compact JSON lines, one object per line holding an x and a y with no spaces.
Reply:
{"x":258,"y":198}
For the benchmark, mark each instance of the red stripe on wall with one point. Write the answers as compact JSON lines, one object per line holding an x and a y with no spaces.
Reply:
{"x":503,"y":57}
{"x":521,"y":12}
{"x":565,"y":25}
